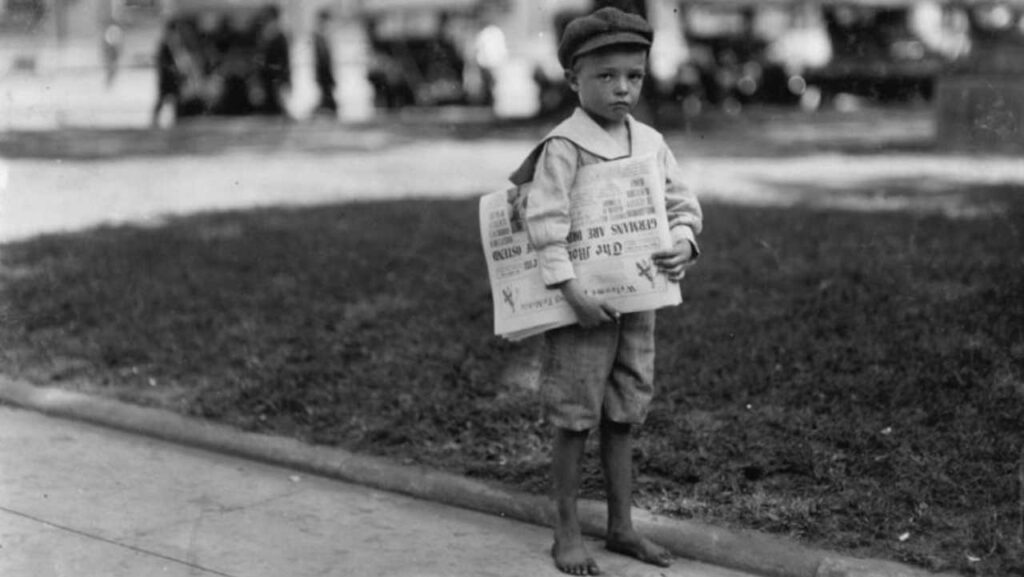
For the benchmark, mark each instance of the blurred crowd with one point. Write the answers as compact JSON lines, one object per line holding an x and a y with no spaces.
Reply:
{"x":234,"y":63}
{"x":716,"y":54}
{"x":707,"y":54}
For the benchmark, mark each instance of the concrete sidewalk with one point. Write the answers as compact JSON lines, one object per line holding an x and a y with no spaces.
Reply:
{"x":77,"y":499}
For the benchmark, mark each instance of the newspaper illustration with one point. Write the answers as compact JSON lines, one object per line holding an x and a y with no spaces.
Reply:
{"x":618,"y":221}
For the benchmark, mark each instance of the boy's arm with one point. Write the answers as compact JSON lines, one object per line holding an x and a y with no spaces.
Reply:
{"x":685,"y":220}
{"x":685,"y":217}
{"x":548,"y":220}
{"x":547,"y":215}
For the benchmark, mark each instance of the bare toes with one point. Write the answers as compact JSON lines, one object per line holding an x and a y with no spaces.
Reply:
{"x":573,"y":559}
{"x":641,"y":549}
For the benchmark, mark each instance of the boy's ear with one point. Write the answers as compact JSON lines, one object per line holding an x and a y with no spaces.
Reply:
{"x":572,"y":79}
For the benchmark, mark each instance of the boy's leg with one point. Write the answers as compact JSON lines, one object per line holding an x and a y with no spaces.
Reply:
{"x":617,"y":462}
{"x":569,"y":552}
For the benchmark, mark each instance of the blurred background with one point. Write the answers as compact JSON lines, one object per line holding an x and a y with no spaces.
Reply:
{"x":266,"y":214}
{"x":100,"y":62}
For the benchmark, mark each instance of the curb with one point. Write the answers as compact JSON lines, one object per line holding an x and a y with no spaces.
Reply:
{"x":742,"y":550}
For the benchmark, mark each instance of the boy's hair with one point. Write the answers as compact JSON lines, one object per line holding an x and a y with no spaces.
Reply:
{"x":603,"y":29}
{"x":574,"y":67}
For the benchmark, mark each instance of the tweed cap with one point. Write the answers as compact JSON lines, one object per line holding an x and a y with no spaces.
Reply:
{"x":602,"y":28}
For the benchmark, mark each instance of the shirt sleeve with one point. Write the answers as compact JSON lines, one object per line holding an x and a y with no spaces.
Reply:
{"x":547,"y":209}
{"x":685,"y":217}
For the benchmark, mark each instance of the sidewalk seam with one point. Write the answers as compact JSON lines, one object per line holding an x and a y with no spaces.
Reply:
{"x":108,"y":541}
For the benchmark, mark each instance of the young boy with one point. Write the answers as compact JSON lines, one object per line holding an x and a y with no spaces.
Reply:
{"x":599,"y":373}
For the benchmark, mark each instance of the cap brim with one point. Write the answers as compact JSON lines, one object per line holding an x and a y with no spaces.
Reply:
{"x":623,"y":38}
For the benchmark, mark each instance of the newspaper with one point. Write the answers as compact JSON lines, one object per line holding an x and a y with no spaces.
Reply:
{"x":618,"y":220}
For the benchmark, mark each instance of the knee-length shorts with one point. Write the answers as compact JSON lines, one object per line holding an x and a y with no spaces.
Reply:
{"x":602,"y":372}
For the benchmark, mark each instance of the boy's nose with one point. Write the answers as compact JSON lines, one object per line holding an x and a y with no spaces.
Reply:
{"x":621,"y":86}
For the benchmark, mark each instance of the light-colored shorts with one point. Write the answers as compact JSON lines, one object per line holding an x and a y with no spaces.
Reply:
{"x":604,"y":371}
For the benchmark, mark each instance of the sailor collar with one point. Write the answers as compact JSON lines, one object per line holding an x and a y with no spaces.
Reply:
{"x":586,"y":134}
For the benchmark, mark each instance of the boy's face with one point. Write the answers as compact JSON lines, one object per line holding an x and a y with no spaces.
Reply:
{"x":608,"y":83}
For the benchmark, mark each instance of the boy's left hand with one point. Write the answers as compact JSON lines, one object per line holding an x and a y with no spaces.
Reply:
{"x":674,"y":261}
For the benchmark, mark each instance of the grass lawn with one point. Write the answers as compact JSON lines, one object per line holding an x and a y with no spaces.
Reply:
{"x":854,"y":380}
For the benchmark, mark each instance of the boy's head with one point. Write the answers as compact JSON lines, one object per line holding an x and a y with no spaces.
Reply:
{"x":605,"y":57}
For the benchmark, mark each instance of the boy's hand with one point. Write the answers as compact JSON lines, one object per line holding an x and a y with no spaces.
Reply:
{"x":590,"y":311}
{"x":674,"y":261}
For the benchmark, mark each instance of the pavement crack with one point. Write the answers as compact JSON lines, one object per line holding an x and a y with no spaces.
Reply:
{"x":260,"y":502}
{"x":102,"y":539}
{"x":208,"y":507}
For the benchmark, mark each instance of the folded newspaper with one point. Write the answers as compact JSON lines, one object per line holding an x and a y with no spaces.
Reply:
{"x":618,"y":221}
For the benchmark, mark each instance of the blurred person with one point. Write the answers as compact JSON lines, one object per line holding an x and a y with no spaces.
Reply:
{"x":209,"y":34}
{"x":167,"y":72}
{"x":942,"y":30}
{"x":459,"y":33}
{"x":392,"y":86}
{"x":324,"y":64}
{"x":599,"y":373}
{"x":232,"y":69}
{"x":274,"y":64}
{"x":179,"y":75}
{"x":113,"y":45}
{"x":490,"y":53}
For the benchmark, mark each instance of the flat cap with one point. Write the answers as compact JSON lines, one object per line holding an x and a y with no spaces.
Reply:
{"x":604,"y":27}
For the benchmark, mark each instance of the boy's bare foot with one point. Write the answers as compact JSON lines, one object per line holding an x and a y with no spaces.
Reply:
{"x":571,"y":557}
{"x":636,"y":546}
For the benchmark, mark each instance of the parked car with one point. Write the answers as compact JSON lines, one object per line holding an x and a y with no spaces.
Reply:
{"x":753,"y":52}
{"x":218,"y":58}
{"x":882,"y":51}
{"x":415,"y":60}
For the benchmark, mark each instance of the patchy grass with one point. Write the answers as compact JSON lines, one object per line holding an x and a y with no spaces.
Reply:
{"x":852,"y":380}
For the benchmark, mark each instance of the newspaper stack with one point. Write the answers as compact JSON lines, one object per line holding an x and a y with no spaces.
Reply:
{"x":618,"y":221}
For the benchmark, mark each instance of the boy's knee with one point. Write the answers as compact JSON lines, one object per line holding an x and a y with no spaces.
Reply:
{"x":567,"y":433}
{"x":614,"y":427}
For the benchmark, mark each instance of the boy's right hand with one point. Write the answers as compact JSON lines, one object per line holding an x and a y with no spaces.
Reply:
{"x":590,"y":311}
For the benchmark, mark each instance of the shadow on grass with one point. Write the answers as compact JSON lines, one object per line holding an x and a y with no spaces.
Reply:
{"x":842,"y":377}
{"x":197,"y":138}
{"x":955,"y":199}
{"x":758,"y":132}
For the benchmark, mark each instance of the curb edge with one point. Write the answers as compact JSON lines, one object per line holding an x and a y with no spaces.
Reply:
{"x":741,"y":550}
